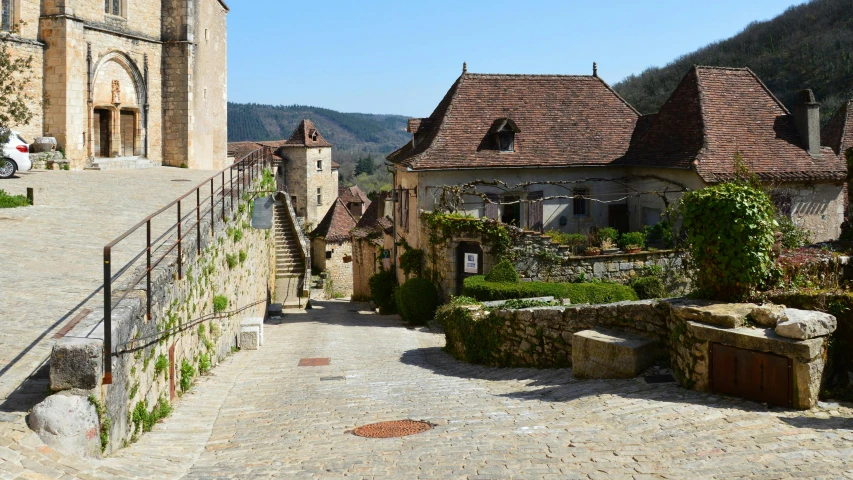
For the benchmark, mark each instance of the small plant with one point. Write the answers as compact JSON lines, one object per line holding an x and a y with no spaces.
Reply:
{"x":243,"y":256}
{"x":592,"y":251}
{"x":65,"y":166}
{"x":220,"y":303}
{"x":503,"y":272}
{"x":649,"y":287}
{"x":134,"y":390}
{"x":187,"y":374}
{"x":237,"y":235}
{"x":106,"y":422}
{"x":242,"y":208}
{"x":184,"y":165}
{"x":793,"y":236}
{"x":161,"y":365}
{"x":231,"y":260}
{"x":608,"y":237}
{"x":575,"y":241}
{"x":13,"y":201}
{"x":204,"y":364}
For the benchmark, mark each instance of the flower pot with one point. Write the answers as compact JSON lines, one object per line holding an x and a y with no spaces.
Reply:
{"x":633,"y":250}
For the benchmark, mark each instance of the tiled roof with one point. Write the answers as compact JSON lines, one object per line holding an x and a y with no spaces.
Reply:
{"x":716,"y":113}
{"x":352,"y":195}
{"x":241,"y":149}
{"x":371,"y":223}
{"x":562,"y":121}
{"x":306,"y":135}
{"x":336,"y":165}
{"x":336,"y":225}
{"x":838,"y":133}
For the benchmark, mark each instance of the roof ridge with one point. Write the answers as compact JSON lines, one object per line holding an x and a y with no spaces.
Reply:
{"x":784,"y":108}
{"x":614,"y":92}
{"x":713,"y":67}
{"x":443,"y":121}
{"x":538,"y":75}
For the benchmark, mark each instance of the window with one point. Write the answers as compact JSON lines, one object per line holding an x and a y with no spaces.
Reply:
{"x":511,"y":214}
{"x":329,"y":254}
{"x":319,"y":196}
{"x":206,"y":34}
{"x":783,"y":203}
{"x":580,"y":204}
{"x":319,"y":165}
{"x":113,"y":7}
{"x":506,"y":140}
{"x":503,"y":130}
{"x":6,"y":23}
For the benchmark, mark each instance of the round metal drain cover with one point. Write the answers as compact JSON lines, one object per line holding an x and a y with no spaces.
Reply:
{"x":398,"y":428}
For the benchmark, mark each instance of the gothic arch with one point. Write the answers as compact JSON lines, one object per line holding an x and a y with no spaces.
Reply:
{"x":123,"y":60}
{"x":118,"y":120}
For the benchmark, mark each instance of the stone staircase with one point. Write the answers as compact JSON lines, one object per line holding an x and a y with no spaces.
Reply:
{"x":121,"y":163}
{"x":290,"y":267}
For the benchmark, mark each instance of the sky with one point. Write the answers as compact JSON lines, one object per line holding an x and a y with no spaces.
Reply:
{"x":401,"y":57}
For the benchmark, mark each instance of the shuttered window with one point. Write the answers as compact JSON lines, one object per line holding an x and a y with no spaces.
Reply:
{"x":492,"y":210}
{"x":535,"y":210}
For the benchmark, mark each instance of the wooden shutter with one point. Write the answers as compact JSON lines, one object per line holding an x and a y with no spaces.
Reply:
{"x":492,"y":210}
{"x":534,"y":210}
{"x":406,"y":207}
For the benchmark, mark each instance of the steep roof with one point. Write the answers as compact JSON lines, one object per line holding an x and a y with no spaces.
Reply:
{"x":838,"y":133}
{"x":305,"y":135}
{"x":337,"y":224}
{"x":562,"y":120}
{"x":241,"y":149}
{"x":717,"y":113}
{"x":352,"y":195}
{"x":372,"y":223}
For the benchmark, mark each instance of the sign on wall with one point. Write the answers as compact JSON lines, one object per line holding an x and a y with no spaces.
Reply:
{"x":471,"y":263}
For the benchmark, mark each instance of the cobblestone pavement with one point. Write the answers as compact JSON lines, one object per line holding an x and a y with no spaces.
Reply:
{"x":260,"y":415}
{"x":51,"y":254}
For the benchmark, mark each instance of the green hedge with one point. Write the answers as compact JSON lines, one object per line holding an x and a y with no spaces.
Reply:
{"x":417,"y":300}
{"x":469,"y":338}
{"x":477,"y":287}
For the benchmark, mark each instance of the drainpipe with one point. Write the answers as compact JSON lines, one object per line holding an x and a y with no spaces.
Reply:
{"x":394,"y":217}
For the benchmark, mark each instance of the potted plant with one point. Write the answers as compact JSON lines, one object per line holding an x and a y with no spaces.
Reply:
{"x":632,"y":242}
{"x":608,"y":237}
{"x":592,"y":251}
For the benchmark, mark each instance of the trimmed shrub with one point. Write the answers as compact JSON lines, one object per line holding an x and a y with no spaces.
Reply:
{"x":417,"y":300}
{"x":503,"y":272}
{"x":382,"y":287}
{"x":482,"y":290}
{"x":649,"y":287}
{"x":730,"y":229}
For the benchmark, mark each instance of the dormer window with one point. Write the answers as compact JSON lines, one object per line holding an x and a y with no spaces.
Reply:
{"x":503,"y":131}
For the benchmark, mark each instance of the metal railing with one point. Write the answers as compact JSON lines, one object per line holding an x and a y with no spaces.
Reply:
{"x":211,"y":197}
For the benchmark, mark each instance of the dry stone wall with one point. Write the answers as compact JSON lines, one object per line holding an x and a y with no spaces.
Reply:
{"x":184,"y":331}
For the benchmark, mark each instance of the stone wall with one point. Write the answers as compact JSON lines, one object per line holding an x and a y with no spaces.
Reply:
{"x":20,"y":47}
{"x":339,"y":275}
{"x":684,"y":331}
{"x":365,"y":264}
{"x":183,"y":327}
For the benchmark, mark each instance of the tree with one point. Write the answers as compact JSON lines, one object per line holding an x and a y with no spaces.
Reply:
{"x":15,"y":75}
{"x":365,"y":165}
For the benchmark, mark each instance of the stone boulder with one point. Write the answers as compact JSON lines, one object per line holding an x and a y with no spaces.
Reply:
{"x":728,"y":315}
{"x":68,"y":424}
{"x":769,"y":315}
{"x":806,"y":324}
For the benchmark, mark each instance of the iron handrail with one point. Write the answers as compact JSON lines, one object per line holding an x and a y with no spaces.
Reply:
{"x":248,"y":168}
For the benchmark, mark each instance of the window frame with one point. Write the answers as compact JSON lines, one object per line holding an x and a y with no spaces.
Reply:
{"x":110,"y":7}
{"x":580,"y":196}
{"x":7,"y":15}
{"x":319,"y":165}
{"x":319,"y":196}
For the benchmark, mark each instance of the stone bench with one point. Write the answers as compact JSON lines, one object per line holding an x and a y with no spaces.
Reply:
{"x":601,"y":353}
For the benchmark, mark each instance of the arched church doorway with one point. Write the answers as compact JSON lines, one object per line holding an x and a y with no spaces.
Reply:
{"x":103,"y":132}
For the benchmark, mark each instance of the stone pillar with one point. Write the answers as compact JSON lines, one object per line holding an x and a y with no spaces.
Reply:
{"x":115,"y":135}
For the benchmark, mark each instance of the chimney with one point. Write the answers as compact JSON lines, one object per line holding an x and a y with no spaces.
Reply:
{"x":807,"y":118}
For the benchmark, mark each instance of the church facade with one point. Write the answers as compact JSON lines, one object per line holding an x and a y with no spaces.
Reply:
{"x":125,"y":78}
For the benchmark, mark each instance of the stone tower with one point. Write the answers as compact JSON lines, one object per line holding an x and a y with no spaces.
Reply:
{"x":310,"y":174}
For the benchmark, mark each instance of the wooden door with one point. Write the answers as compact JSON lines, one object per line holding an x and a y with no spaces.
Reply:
{"x":128,"y":134}
{"x":762,"y":377}
{"x":617,"y":217}
{"x":462,"y":250}
{"x":102,"y":133}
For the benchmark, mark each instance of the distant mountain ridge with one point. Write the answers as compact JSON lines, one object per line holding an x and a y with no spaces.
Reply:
{"x":807,"y":46}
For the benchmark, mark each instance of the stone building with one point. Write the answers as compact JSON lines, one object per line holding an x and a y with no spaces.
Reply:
{"x":355,"y":200}
{"x":371,"y":246}
{"x":126,"y":79}
{"x":308,"y":172}
{"x":568,"y":153}
{"x":331,"y":249}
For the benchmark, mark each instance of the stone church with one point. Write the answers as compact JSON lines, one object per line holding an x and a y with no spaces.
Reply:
{"x":125,"y":79}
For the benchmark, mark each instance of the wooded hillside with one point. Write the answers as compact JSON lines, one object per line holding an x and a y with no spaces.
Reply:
{"x":807,"y":46}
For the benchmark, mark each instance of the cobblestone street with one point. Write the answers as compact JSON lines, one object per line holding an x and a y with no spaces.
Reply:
{"x":260,"y":415}
{"x":52,"y":253}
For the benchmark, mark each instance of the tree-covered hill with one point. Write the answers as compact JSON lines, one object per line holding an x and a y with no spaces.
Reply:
{"x":807,"y":46}
{"x":354,"y":135}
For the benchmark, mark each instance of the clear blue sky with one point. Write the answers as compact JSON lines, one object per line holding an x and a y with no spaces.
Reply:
{"x":401,"y":56}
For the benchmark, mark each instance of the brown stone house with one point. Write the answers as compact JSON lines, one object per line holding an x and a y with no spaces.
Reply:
{"x":355,"y":200}
{"x":568,"y":153}
{"x":127,"y":79}
{"x":371,"y":245}
{"x":331,"y":249}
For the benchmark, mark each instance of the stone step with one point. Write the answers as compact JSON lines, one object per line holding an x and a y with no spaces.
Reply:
{"x":121,"y":163}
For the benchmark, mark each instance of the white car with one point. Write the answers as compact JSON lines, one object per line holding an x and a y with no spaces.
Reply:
{"x":16,"y":156}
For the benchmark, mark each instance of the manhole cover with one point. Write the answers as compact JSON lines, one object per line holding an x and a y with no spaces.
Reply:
{"x":398,"y":428}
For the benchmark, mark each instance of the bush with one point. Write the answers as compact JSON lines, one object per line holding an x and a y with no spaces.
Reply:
{"x":382,"y":287}
{"x":607,"y":237}
{"x":793,"y":236}
{"x":660,"y":235}
{"x":477,"y":287}
{"x":635,"y":239}
{"x":576,"y":241}
{"x":649,"y":287}
{"x":730,"y":230}
{"x":417,"y":300}
{"x":503,"y":272}
{"x":412,"y":261}
{"x":469,"y":339}
{"x":13,"y":201}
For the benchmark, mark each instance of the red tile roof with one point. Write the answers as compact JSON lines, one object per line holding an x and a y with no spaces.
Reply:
{"x":336,"y":225}
{"x":352,"y":195}
{"x":305,"y":135}
{"x":241,"y":149}
{"x":562,"y":121}
{"x":838,"y":133}
{"x":717,"y":113}
{"x":372,"y":223}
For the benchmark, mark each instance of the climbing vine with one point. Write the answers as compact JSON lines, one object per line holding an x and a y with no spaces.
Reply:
{"x":445,"y":226}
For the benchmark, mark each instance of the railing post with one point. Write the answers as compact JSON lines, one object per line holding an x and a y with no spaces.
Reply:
{"x":198,"y":221}
{"x":223,"y":196}
{"x":108,"y":319}
{"x":180,"y":242}
{"x":212,"y":215}
{"x":231,"y":170}
{"x":148,"y":270}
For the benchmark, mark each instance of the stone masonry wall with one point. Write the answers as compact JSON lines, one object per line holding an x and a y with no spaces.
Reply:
{"x":148,"y":365}
{"x":22,"y":48}
{"x":338,"y":269}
